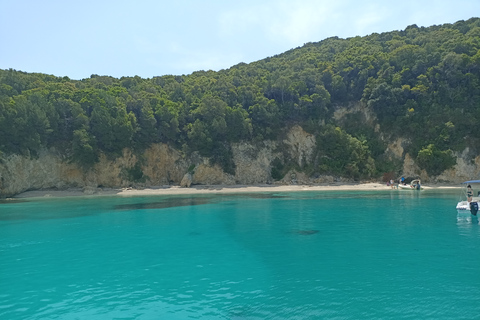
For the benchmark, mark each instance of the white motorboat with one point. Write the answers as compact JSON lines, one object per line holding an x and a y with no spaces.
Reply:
{"x":414,"y":185}
{"x":467,"y":208}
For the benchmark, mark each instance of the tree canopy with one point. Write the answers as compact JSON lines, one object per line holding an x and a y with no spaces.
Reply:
{"x":422,"y":84}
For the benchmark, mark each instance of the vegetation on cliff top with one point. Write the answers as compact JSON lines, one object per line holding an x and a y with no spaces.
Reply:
{"x":422,"y":84}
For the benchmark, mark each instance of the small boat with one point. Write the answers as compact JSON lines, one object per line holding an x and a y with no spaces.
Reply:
{"x":414,"y":185}
{"x":466,"y":209}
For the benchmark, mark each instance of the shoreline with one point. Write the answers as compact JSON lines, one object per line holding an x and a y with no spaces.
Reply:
{"x":211,"y":189}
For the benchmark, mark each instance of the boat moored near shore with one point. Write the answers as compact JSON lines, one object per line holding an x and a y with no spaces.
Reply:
{"x":469,"y":202}
{"x":415,"y":184}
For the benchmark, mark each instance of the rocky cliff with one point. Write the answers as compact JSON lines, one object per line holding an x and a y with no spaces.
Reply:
{"x":159,"y":165}
{"x":163,"y":165}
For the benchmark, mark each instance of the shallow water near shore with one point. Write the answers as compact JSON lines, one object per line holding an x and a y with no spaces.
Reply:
{"x":301,"y":255}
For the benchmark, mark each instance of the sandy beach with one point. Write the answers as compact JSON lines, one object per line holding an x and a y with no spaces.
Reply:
{"x":213,"y":189}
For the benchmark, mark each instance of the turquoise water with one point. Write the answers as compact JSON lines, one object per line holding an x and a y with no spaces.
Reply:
{"x":306,"y":255}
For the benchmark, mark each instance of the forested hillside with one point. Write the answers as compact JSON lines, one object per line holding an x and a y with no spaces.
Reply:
{"x":421,"y":84}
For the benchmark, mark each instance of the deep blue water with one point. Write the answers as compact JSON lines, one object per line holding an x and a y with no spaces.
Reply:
{"x":304,"y":255}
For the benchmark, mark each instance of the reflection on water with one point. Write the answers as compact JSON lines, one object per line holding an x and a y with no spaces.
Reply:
{"x":466,"y":216}
{"x":465,"y":222}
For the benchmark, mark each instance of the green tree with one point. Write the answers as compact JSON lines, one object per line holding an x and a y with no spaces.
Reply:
{"x":84,"y":150}
{"x":341,"y":154}
{"x":265,"y":117}
{"x":435,"y":161}
{"x":113,"y":128}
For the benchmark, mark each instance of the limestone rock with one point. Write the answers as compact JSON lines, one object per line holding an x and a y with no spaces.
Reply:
{"x":396,"y":148}
{"x":359,"y":109}
{"x":164,"y":165}
{"x":253,"y":163}
{"x":410,"y":169}
{"x":301,"y":145}
{"x":208,"y":174}
{"x":187,"y":180}
{"x":89,"y":190}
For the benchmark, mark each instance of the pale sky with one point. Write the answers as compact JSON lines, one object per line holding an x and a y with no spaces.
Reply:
{"x":154,"y":38}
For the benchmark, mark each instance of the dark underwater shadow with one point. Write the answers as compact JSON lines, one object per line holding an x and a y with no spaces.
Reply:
{"x":11,"y":201}
{"x":167,"y":203}
{"x":304,"y":232}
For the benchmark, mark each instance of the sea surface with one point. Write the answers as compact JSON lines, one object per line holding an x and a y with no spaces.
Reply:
{"x":302,"y":255}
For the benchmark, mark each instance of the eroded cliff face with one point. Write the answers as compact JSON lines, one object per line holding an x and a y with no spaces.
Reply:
{"x":395,"y":149}
{"x":160,"y":165}
{"x":21,"y":173}
{"x":300,"y":145}
{"x":253,"y":163}
{"x":163,"y":165}
{"x":464,"y":169}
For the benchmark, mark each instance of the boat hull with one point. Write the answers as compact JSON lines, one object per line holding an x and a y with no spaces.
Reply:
{"x":408,"y":187}
{"x":463,"y":210}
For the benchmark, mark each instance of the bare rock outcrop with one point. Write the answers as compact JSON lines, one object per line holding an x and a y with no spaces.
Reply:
{"x":164,"y":165}
{"x":187,"y":180}
{"x":395,"y":149}
{"x":301,"y":145}
{"x":48,"y":170}
{"x":253,"y":163}
{"x":208,"y":174}
{"x":358,"y":109}
{"x":465,"y":169}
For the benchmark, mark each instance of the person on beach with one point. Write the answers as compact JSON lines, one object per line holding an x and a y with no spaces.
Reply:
{"x":469,"y":193}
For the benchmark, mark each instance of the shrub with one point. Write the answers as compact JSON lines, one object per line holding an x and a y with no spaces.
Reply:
{"x":435,"y":161}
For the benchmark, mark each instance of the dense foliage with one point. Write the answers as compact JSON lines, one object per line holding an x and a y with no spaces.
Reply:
{"x":422,"y":84}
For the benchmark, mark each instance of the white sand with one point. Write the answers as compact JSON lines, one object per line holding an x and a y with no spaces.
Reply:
{"x":176,"y":190}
